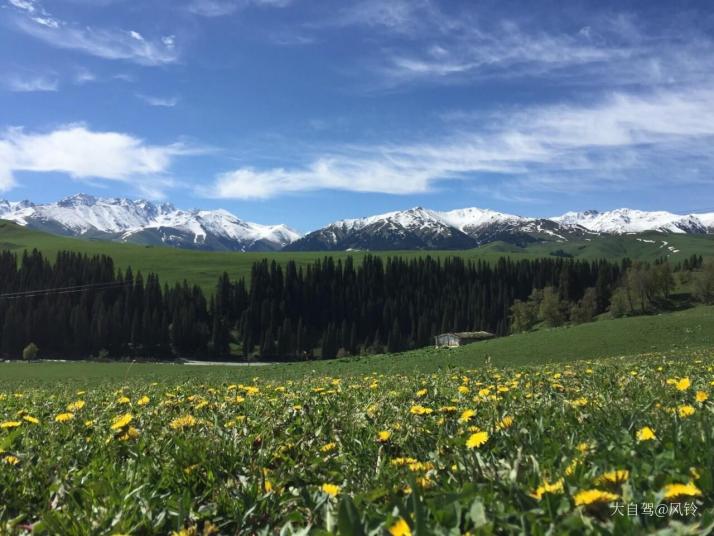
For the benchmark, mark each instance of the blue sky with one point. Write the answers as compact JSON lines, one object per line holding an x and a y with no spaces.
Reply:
{"x":305,"y":112}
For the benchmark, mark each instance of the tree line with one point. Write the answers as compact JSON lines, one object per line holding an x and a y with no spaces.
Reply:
{"x":80,"y":306}
{"x":335,"y":307}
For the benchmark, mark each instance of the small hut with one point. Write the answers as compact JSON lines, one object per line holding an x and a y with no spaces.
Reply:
{"x":451,"y":340}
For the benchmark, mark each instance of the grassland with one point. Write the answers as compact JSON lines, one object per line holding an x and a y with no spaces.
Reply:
{"x":534,"y":450}
{"x":203,"y":268}
{"x":674,"y":334}
{"x":524,"y":434}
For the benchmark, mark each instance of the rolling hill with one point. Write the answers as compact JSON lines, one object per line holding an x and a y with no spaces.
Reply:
{"x":204,"y":267}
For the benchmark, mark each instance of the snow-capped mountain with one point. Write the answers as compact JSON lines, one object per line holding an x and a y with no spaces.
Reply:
{"x":420,"y":228}
{"x":626,"y":220}
{"x":144,"y":222}
{"x":416,"y":228}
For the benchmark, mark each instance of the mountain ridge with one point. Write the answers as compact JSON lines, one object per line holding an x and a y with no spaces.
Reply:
{"x":145,"y":222}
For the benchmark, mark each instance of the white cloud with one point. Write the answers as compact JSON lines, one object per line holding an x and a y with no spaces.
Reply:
{"x":84,"y":76}
{"x":426,"y":42}
{"x":540,"y":148}
{"x":109,"y":43}
{"x":165,"y":102}
{"x":219,"y":8}
{"x":84,"y":154}
{"x":27,"y":84}
{"x":26,"y":5}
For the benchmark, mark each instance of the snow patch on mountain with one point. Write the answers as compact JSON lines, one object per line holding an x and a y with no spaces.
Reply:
{"x":626,"y":220}
{"x":81,"y":215}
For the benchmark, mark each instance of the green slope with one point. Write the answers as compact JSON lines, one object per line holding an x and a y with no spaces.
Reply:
{"x":203,"y":268}
{"x":676,"y":334}
{"x":645,"y":246}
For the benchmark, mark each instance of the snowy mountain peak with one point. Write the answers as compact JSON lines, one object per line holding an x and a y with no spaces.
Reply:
{"x":77,"y":200}
{"x":627,"y":220}
{"x":147,"y":223}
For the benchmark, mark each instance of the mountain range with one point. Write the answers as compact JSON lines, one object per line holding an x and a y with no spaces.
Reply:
{"x":145,"y":222}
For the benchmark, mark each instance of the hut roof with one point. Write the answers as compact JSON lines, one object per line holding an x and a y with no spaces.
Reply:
{"x":474,"y":335}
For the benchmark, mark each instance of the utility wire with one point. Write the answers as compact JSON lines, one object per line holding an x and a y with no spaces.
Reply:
{"x":64,"y":290}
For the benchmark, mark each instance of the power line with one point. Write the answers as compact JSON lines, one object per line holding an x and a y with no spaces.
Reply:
{"x":64,"y":290}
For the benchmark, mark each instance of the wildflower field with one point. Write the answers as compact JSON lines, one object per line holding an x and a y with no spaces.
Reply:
{"x":615,"y":446}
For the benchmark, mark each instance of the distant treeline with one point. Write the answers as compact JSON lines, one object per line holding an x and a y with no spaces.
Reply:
{"x":80,"y":306}
{"x":337,"y":308}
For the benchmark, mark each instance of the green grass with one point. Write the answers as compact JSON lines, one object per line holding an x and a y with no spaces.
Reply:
{"x":203,"y":268}
{"x":156,"y":448}
{"x":671,"y":333}
{"x":477,"y":450}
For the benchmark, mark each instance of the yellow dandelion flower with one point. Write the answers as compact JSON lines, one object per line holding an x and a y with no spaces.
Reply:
{"x":400,"y":528}
{"x":683,"y":384}
{"x":505,"y":423}
{"x":613,"y":477}
{"x":467,"y":415}
{"x":672,"y":491}
{"x":403,"y":461}
{"x":143,"y":401}
{"x":420,"y":410}
{"x":584,"y":447}
{"x":645,"y":434}
{"x":10,"y":459}
{"x":331,"y":489}
{"x":476,"y":440}
{"x":123,"y":400}
{"x":685,"y":411}
{"x":328,"y":447}
{"x":31,"y":419}
{"x":9,"y":424}
{"x":594,"y":496}
{"x":417,"y":467}
{"x":75,"y":406}
{"x":384,"y":436}
{"x":545,"y":487}
{"x":186,"y":421}
{"x":580,"y":402}
{"x":701,"y":396}
{"x":64,"y":417}
{"x":121,"y":421}
{"x":571,"y":467}
{"x":425,"y":482}
{"x":421,"y":393}
{"x":463,"y":390}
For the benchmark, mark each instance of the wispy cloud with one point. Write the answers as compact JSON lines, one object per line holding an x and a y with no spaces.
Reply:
{"x":84,"y":76}
{"x":424,"y":42}
{"x":165,"y":102}
{"x":542,"y":148}
{"x":109,"y":43}
{"x":84,"y":154}
{"x":32,"y":83}
{"x":219,"y":8}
